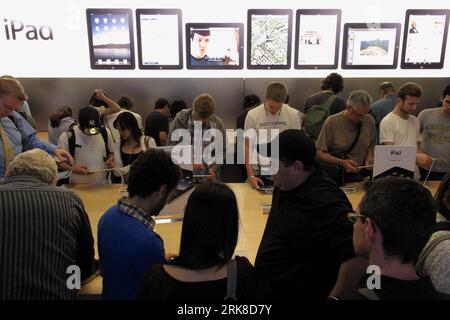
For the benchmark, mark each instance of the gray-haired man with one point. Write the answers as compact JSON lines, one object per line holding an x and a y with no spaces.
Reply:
{"x":348,"y":138}
{"x":46,"y":237}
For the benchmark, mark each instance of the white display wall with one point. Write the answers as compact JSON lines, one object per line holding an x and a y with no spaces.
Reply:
{"x":51,"y":37}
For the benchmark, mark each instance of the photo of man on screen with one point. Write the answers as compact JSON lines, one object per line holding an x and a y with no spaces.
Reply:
{"x":413,"y":28}
{"x":200,"y":39}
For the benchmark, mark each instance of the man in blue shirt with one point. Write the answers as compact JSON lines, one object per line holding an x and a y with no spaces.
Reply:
{"x":127,"y":244}
{"x":386,"y":103}
{"x":16,"y":134}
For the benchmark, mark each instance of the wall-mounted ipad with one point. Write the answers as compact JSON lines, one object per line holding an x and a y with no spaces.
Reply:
{"x":269,"y":39}
{"x":214,"y":45}
{"x":370,"y":46}
{"x":425,"y":39}
{"x":159,"y":38}
{"x":317,"y":38}
{"x":110,"y":33}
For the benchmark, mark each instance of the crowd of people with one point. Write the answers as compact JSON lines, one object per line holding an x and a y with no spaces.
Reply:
{"x":315,"y":244}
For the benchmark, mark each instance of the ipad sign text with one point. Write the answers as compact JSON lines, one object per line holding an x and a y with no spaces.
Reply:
{"x":15,"y":29}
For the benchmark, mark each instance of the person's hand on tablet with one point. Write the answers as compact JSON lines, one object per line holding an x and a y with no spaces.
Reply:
{"x":81,"y":170}
{"x":255,"y":182}
{"x":350,"y":165}
{"x":423,"y":160}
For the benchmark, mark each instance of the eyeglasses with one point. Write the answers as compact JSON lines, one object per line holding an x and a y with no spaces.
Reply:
{"x":353,"y":217}
{"x":359,"y":115}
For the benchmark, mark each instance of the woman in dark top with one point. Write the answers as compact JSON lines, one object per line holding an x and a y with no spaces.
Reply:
{"x":208,"y":240}
{"x":131,"y":144}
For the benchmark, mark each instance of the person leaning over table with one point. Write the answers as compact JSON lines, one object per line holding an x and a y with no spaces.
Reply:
{"x":92,"y":148}
{"x":205,"y":264}
{"x":201,"y":115}
{"x":45,"y":232}
{"x":348,"y":138}
{"x":130,"y":146}
{"x":16,"y":134}
{"x":435,"y":138}
{"x":401,"y":127}
{"x":306,"y":251}
{"x":127,"y":242}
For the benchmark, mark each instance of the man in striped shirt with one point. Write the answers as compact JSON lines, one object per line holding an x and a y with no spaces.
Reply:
{"x":45,"y":234}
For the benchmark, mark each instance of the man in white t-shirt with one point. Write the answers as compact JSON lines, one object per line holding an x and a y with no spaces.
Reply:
{"x":92,"y":149}
{"x":400,"y":127}
{"x":272,"y":114}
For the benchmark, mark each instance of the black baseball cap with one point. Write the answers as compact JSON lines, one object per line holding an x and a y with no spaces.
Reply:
{"x":294,"y":145}
{"x":89,"y":120}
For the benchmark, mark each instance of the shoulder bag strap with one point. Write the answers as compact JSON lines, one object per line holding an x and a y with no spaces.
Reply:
{"x":355,"y":141}
{"x":231,"y":279}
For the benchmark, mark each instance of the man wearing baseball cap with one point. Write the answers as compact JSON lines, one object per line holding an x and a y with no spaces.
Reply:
{"x":91,"y":146}
{"x":306,"y":250}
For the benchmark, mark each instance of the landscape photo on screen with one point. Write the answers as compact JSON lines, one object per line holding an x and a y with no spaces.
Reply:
{"x":374,"y":46}
{"x":111,"y":39}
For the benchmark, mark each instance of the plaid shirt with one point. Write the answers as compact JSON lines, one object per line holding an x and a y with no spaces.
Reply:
{"x":136,"y":213}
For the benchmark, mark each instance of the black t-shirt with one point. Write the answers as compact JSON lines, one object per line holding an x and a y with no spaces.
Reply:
{"x":128,"y":158}
{"x":307,"y":238}
{"x":154,"y":124}
{"x":396,"y":289}
{"x":320,"y":97}
{"x":159,"y":285}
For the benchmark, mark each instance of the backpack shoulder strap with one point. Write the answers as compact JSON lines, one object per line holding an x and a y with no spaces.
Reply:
{"x":71,"y":141}
{"x":231,"y":279}
{"x":327,"y":103}
{"x":369,"y":294}
{"x":104,"y":134}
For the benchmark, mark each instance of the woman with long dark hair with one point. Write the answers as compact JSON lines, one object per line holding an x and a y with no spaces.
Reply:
{"x":59,"y":122}
{"x":130,"y":145}
{"x":205,"y":269}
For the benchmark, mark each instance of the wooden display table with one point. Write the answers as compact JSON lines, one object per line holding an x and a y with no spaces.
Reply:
{"x":253,"y":208}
